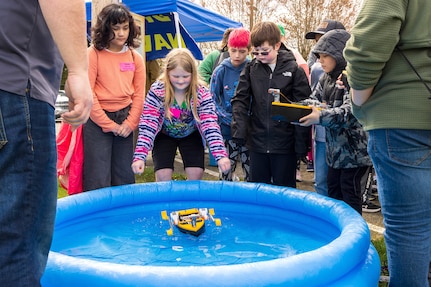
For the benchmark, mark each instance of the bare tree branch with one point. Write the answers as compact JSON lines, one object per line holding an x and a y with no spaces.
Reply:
{"x":297,"y":16}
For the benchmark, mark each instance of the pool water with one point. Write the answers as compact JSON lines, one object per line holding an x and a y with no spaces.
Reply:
{"x":136,"y":235}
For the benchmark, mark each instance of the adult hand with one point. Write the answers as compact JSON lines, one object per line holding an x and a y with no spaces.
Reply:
{"x":80,"y":96}
{"x":138,"y":166}
{"x":66,"y":23}
{"x":359,"y":97}
{"x":224,"y":164}
{"x":312,"y":119}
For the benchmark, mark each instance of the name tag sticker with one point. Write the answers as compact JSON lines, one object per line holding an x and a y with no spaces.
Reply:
{"x":125,"y":67}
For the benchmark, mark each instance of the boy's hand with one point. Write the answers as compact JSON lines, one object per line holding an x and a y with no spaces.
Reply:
{"x":312,"y":119}
{"x":342,"y":82}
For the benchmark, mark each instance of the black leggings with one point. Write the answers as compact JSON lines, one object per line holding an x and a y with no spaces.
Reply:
{"x":346,"y":184}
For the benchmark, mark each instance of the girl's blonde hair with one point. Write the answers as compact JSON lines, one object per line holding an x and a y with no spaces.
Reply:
{"x":181,"y":57}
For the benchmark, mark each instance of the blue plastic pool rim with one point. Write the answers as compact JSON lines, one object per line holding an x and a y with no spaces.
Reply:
{"x":345,"y":258}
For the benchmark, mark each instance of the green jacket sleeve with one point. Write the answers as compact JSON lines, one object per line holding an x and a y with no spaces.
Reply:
{"x":206,"y":66}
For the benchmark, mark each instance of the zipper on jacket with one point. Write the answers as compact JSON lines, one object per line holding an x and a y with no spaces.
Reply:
{"x":268,"y":114}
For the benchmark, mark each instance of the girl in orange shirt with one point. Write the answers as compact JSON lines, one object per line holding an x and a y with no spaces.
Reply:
{"x":117,"y":77}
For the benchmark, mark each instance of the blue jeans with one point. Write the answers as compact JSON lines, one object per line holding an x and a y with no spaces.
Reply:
{"x":28,"y":188}
{"x":402,"y":160}
{"x":320,"y":168}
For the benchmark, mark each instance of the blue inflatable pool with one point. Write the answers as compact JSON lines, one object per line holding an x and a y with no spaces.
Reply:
{"x":270,"y":236}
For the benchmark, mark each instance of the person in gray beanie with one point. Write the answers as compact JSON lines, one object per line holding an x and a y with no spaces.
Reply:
{"x":346,"y":141}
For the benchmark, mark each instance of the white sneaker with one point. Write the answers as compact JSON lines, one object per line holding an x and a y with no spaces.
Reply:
{"x":298,"y":175}
{"x":370,"y":207}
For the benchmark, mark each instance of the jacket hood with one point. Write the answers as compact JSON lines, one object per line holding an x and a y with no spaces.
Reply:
{"x":286,"y":54}
{"x":333,"y":43}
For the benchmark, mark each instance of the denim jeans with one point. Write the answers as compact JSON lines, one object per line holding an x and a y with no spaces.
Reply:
{"x":28,"y":188}
{"x":402,"y":161}
{"x":320,"y":168}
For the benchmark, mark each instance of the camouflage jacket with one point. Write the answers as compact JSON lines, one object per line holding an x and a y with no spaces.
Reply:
{"x":346,"y":140}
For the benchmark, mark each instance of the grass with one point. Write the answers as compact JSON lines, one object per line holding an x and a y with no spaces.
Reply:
{"x":378,"y":242}
{"x":146,"y":176}
{"x":380,"y":246}
{"x":61,"y":192}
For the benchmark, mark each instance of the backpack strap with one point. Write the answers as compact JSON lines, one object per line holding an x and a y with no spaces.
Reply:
{"x":223,"y":55}
{"x":414,"y":70}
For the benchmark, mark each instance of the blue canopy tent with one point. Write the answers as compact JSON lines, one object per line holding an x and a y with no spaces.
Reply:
{"x":195,"y":23}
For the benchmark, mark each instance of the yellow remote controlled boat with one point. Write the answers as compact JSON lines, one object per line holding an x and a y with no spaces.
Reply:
{"x":190,"y":221}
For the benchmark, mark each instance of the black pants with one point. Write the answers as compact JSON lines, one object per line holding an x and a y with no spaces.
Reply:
{"x":346,"y":184}
{"x":277,"y":169}
{"x":107,"y":158}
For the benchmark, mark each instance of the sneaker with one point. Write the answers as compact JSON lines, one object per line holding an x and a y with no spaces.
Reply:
{"x":370,"y":207}
{"x":310,"y":166}
{"x":235,"y":178}
{"x":373,"y":190}
{"x":298,"y":175}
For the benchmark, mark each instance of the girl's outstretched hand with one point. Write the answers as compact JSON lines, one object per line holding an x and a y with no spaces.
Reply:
{"x":138,"y":166}
{"x":224,"y":164}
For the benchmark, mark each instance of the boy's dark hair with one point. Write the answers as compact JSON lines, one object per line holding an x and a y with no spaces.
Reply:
{"x":265,"y":31}
{"x":113,"y":14}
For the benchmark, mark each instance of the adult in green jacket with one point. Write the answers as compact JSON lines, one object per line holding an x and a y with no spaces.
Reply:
{"x":389,"y":70}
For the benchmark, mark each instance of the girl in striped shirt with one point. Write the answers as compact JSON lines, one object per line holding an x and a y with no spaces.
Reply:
{"x":179,"y":113}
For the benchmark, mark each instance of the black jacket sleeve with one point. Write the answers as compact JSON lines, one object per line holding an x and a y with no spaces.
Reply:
{"x":241,"y":102}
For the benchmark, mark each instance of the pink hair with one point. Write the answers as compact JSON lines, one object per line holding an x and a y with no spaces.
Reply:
{"x":239,"y":38}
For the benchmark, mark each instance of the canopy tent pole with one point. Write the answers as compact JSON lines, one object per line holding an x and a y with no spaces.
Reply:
{"x":177,"y":29}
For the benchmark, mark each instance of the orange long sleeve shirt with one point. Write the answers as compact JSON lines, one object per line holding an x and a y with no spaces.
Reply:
{"x":117,"y":81}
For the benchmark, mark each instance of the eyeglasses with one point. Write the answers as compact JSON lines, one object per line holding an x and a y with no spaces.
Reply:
{"x":263,"y":53}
